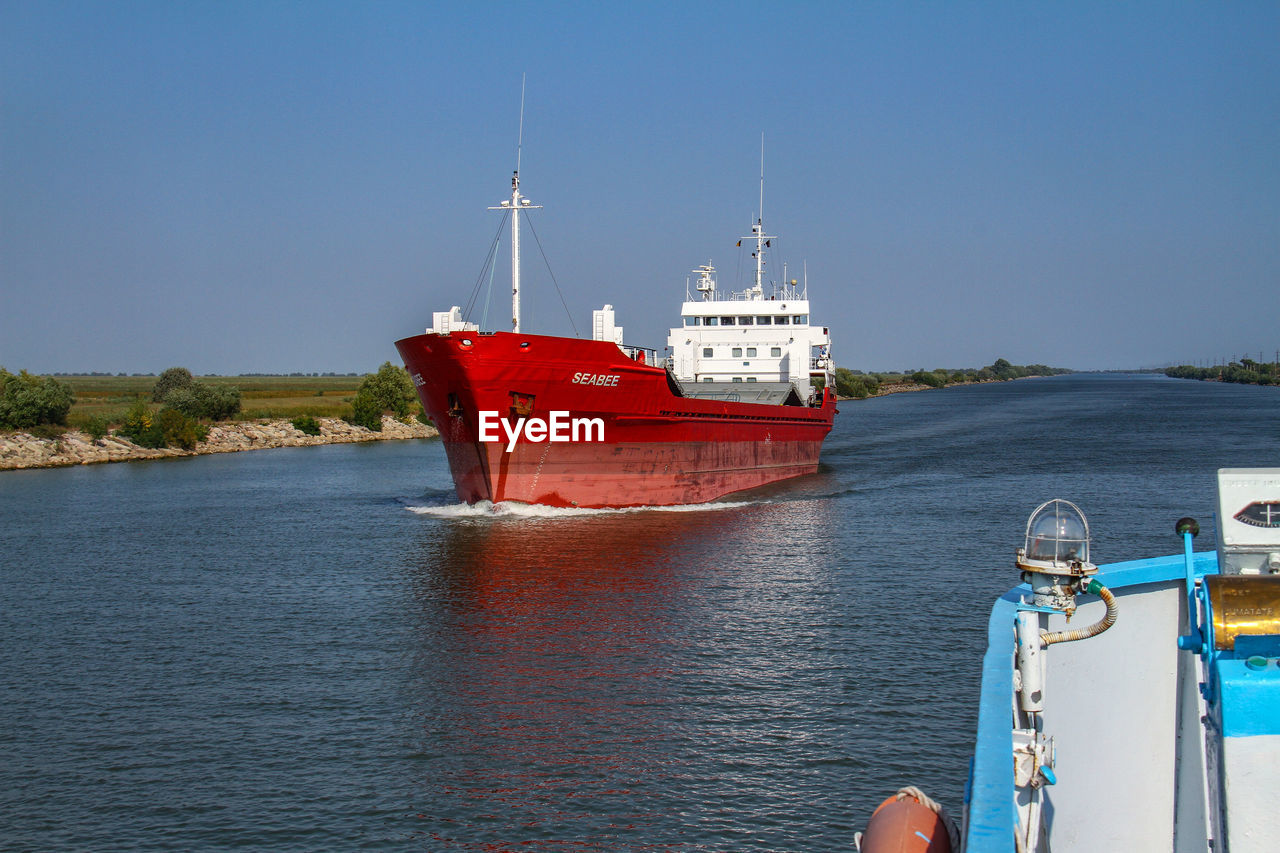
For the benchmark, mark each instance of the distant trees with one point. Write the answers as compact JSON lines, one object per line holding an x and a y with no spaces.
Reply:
{"x":1001,"y":369}
{"x":28,"y":401}
{"x":171,"y":380}
{"x":858,"y":385}
{"x":204,"y":401}
{"x":855,"y":383}
{"x":930,"y":378}
{"x":388,"y":390}
{"x":1246,"y":371}
{"x":177,"y":389}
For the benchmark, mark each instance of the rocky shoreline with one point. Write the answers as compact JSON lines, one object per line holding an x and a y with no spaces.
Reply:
{"x":908,"y":387}
{"x":22,"y":450}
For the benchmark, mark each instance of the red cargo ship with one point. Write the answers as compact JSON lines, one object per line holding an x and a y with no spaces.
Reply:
{"x":594,"y":423}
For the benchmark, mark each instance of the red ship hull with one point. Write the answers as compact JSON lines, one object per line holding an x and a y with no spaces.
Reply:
{"x":641,"y":444}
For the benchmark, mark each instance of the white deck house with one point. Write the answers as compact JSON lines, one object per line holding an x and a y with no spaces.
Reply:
{"x":749,"y":337}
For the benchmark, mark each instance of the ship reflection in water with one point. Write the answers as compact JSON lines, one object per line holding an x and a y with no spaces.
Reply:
{"x":590,"y":678}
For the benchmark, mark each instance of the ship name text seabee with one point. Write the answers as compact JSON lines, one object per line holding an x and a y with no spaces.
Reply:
{"x":606,"y":379}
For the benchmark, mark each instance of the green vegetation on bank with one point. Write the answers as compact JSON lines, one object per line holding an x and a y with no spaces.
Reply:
{"x":168,"y":427}
{"x":855,"y":383}
{"x":261,"y":397}
{"x":1246,"y":371}
{"x":307,"y":424}
{"x":176,"y":408}
{"x":29,"y":402}
{"x":388,"y":390}
{"x":178,"y":389}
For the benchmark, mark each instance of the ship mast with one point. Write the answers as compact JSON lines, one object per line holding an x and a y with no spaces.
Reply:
{"x":757,"y":233}
{"x":515,"y":205}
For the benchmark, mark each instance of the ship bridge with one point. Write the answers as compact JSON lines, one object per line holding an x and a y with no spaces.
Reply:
{"x":749,"y":337}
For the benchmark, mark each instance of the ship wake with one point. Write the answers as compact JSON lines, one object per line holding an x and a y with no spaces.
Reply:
{"x":514,"y":509}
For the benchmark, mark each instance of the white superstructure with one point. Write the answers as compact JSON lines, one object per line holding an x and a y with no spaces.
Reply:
{"x":750,"y":336}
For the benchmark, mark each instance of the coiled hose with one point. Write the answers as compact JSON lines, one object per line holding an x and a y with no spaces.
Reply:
{"x":1094,"y":588}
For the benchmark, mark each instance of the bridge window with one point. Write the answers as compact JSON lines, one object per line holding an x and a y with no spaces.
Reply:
{"x":726,"y":321}
{"x":744,"y":321}
{"x":692,"y":321}
{"x":776,"y":352}
{"x":751,"y":352}
{"x":781,"y":321}
{"x":763,"y":321}
{"x":800,"y":320}
{"x":710,"y":321}
{"x":751,"y":379}
{"x":707,"y":352}
{"x":737,"y":352}
{"x":737,"y":379}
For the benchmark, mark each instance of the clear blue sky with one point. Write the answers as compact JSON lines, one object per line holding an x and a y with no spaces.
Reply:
{"x":291,"y":186}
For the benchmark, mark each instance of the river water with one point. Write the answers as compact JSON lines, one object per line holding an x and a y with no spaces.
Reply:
{"x":317,"y":648}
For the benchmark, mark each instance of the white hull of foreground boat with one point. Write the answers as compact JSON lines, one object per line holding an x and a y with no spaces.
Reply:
{"x":1150,"y":720}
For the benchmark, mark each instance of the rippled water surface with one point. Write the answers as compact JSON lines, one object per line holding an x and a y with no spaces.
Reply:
{"x":317,"y":648}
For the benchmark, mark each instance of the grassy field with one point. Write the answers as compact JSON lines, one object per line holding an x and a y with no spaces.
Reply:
{"x":261,"y":396}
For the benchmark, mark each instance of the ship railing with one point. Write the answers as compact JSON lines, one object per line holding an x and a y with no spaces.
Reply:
{"x":781,"y":294}
{"x":644,"y":355}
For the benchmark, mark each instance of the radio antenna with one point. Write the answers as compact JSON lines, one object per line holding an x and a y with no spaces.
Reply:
{"x":761,"y":177}
{"x":520,"y":134}
{"x":763,"y":240}
{"x":514,"y":205}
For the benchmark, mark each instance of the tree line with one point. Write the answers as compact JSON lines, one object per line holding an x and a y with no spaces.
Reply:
{"x":1246,"y":371}
{"x":855,"y":383}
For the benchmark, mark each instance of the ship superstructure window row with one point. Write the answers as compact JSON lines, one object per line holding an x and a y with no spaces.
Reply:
{"x":779,"y":320}
{"x":737,"y":352}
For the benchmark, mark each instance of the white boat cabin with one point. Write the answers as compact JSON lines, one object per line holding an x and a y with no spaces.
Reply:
{"x":748,"y":337}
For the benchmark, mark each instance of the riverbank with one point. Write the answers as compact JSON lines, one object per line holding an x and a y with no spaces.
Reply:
{"x":907,"y":387}
{"x":23,"y":450}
